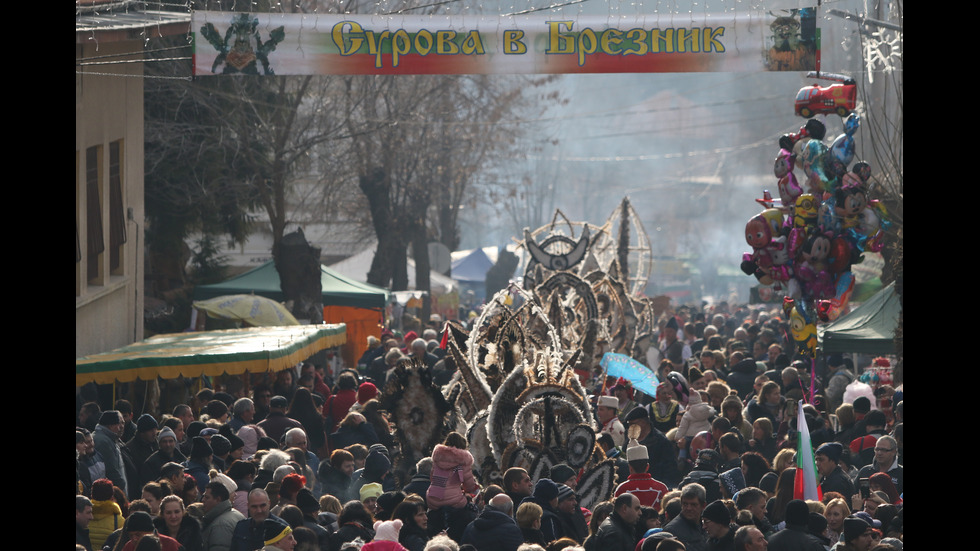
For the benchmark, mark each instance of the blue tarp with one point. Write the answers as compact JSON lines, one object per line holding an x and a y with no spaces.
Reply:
{"x":473,"y":268}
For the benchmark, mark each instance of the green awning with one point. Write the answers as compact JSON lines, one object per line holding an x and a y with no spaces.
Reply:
{"x":338,"y":290}
{"x":868,"y":329}
{"x":192,"y":354}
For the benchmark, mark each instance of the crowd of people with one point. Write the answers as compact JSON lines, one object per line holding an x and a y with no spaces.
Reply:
{"x":303,"y":460}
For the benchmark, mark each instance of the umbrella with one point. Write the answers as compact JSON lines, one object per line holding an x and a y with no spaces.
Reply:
{"x":642,"y":378}
{"x":254,"y":310}
{"x":192,"y":354}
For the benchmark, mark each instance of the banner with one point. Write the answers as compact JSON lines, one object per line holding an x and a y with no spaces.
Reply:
{"x":303,"y":44}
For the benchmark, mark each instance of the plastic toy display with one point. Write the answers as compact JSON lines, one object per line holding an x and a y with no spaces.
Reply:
{"x":837,"y":98}
{"x":804,"y":242}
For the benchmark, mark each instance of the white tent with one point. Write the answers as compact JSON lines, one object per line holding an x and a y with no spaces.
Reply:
{"x":357,"y":267}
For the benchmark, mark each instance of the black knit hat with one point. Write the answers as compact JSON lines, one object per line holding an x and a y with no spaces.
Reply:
{"x":306,"y":502}
{"x":716,"y":511}
{"x":854,"y":527}
{"x":832,"y":450}
{"x":140,"y":521}
{"x":797,"y":513}
{"x":200,"y":448}
{"x":274,"y":529}
{"x":146,"y":422}
{"x":862,"y":404}
{"x":110,"y":417}
{"x":564,"y":492}
{"x":220,"y":445}
{"x":236,"y":442}
{"x":637,"y":413}
{"x":562,"y":472}
{"x":545,"y":490}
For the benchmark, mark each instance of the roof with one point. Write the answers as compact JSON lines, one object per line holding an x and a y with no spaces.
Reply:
{"x":338,"y":290}
{"x":192,"y":354}
{"x":124,"y":20}
{"x":868,"y":329}
{"x":472,"y":268}
{"x":357,"y":266}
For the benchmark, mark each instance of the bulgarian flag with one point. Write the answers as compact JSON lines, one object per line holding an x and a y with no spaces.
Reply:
{"x":805,"y":486}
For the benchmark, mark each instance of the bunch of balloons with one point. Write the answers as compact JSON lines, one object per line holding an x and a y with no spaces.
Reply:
{"x":805,"y":242}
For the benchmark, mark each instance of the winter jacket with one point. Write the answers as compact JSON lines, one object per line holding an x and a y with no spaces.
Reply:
{"x":188,"y":534}
{"x":166,"y":544}
{"x":689,"y":533}
{"x":695,"y":418}
{"x":218,"y":526}
{"x":106,"y":519}
{"x":412,"y":537}
{"x":647,"y":489}
{"x":107,"y":444}
{"x":794,"y":538}
{"x":615,"y":535}
{"x":249,"y":535}
{"x":349,"y":532}
{"x":837,"y":481}
{"x":383,"y":545}
{"x":334,"y":482}
{"x":452,"y":474}
{"x":493,"y":531}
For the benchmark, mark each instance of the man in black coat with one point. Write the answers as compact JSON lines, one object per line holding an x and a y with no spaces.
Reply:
{"x":717,"y":523}
{"x":833,"y":478}
{"x":617,"y":532}
{"x":494,"y":529}
{"x":795,"y":537}
{"x":661,"y":451}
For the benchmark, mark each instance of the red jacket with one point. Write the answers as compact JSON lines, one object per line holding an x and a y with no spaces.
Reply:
{"x":645,"y":488}
{"x":166,"y":543}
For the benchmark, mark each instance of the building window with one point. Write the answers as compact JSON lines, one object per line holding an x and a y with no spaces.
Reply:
{"x":93,"y":209}
{"x":117,"y":216}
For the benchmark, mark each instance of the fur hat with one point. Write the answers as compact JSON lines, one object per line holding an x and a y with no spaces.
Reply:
{"x":387,"y":530}
{"x":200,"y":448}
